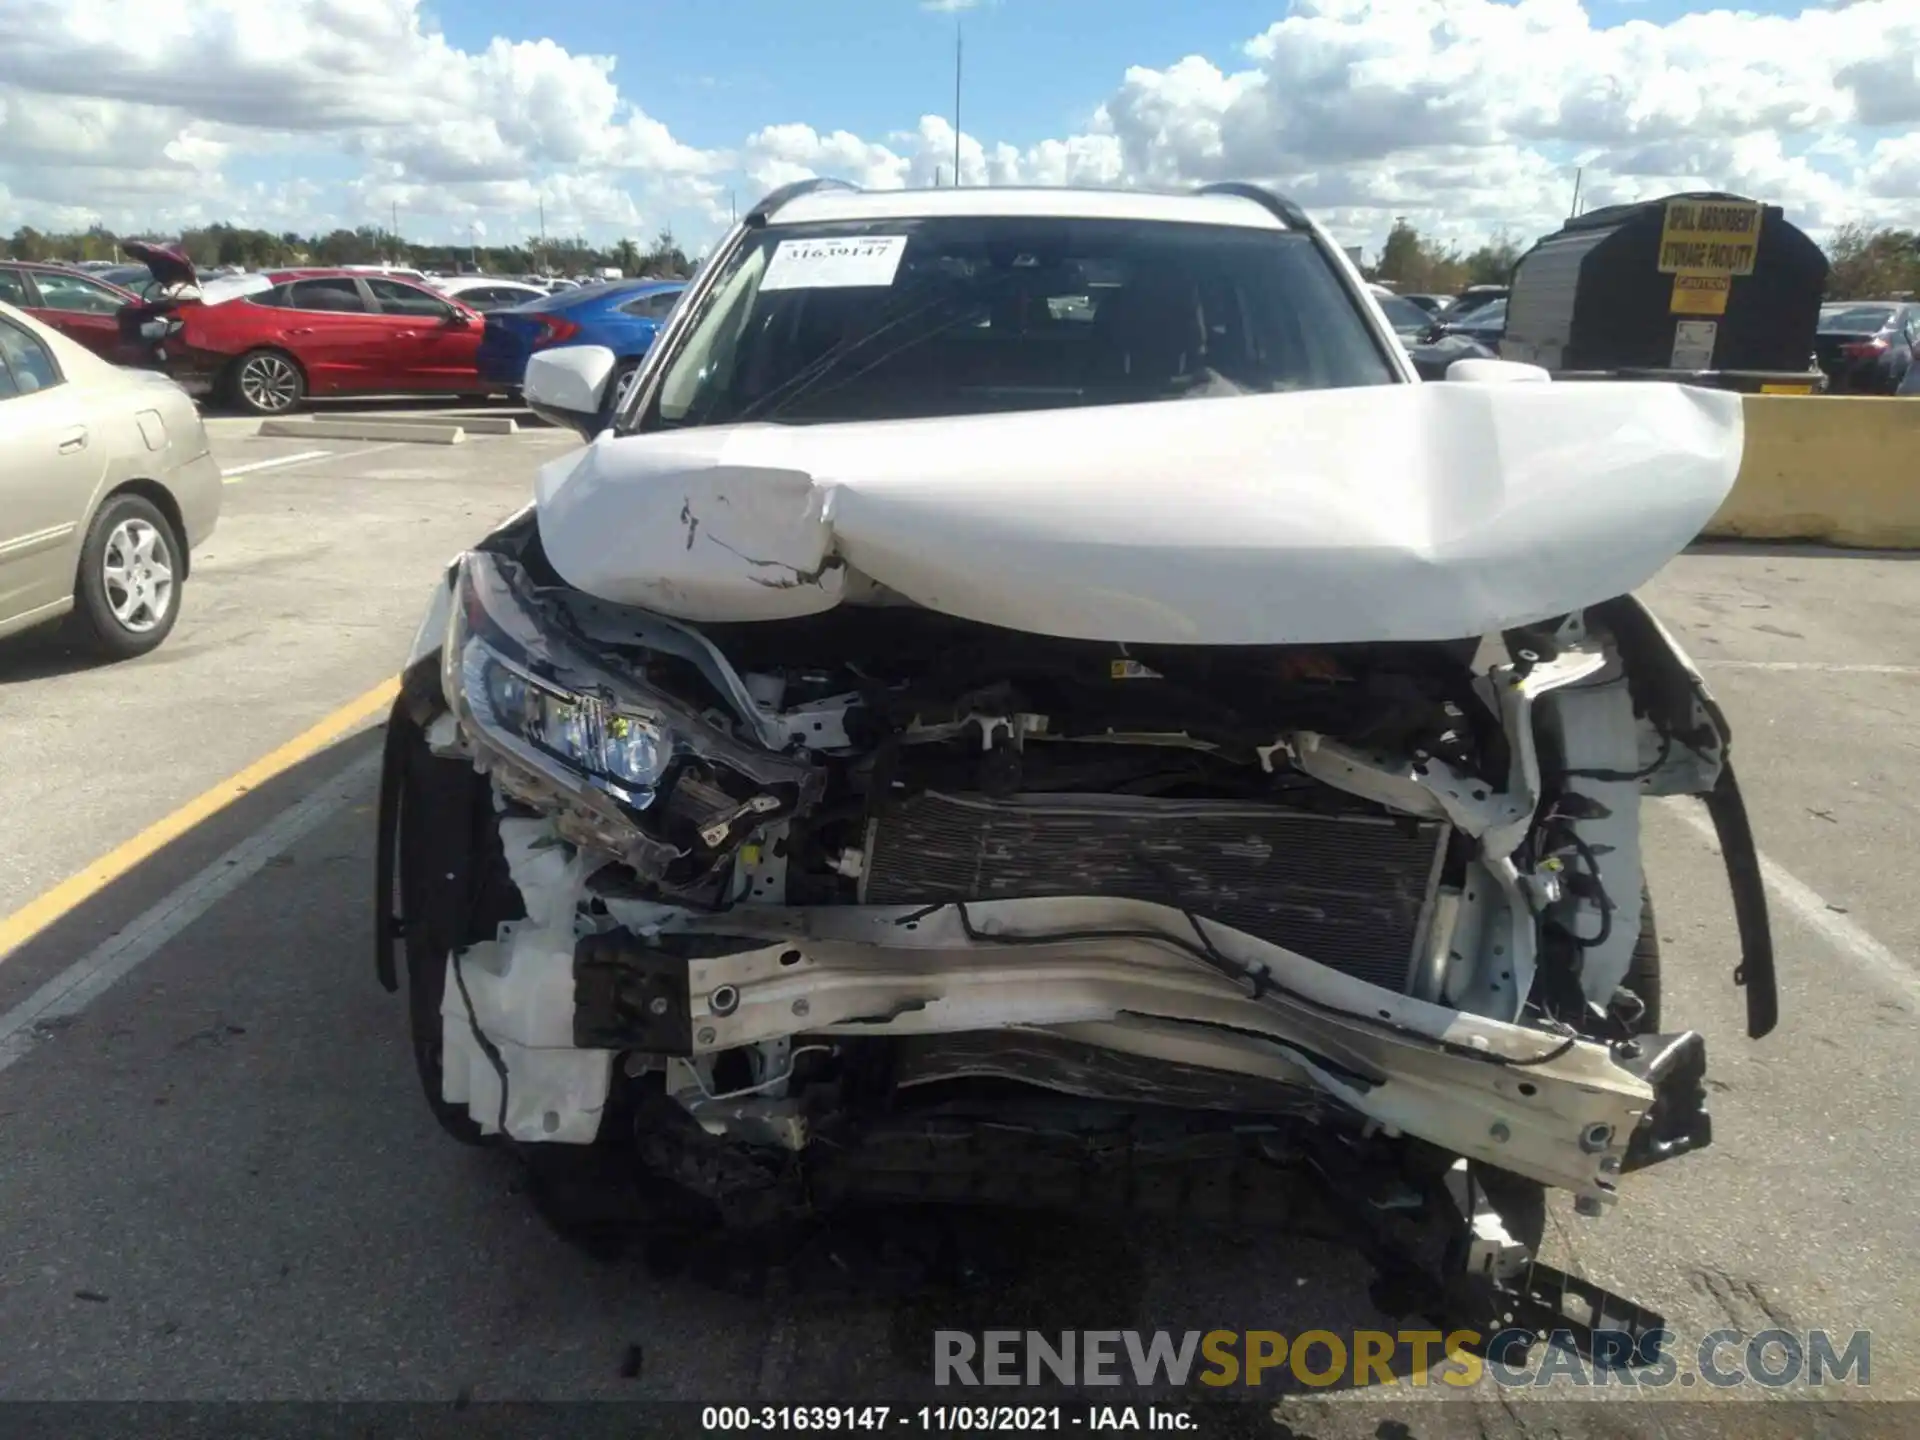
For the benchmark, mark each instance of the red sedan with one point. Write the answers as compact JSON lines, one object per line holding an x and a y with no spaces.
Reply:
{"x":297,"y":333}
{"x":77,"y":305}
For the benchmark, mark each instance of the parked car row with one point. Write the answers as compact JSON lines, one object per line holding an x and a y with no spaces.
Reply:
{"x":267,"y":342}
{"x":1433,"y":337}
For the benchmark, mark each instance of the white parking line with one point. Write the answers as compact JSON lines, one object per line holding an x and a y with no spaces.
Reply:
{"x":1815,"y":912}
{"x":81,"y":983}
{"x":237,"y":471}
{"x":1825,"y":667}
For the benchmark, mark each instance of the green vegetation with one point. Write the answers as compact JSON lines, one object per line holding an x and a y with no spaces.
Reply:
{"x":1871,"y":263}
{"x":369,"y":245}
{"x":1414,"y":265}
{"x":1866,"y":262}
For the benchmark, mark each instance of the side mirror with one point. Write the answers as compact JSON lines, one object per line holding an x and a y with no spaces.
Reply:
{"x":459,"y":320}
{"x":1497,"y":372}
{"x":569,"y":386}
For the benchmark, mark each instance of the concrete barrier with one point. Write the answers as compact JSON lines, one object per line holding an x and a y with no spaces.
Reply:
{"x":1839,"y":469}
{"x":472,"y":424}
{"x":364,"y":430}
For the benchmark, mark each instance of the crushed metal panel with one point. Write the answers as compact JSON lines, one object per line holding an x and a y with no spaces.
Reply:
{"x":1558,"y":1110}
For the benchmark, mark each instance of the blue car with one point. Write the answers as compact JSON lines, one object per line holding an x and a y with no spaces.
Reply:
{"x":623,"y":315}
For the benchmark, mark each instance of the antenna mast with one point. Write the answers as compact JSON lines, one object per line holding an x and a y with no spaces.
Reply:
{"x":956,"y":100}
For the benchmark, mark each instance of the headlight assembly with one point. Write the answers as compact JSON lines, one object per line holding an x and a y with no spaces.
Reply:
{"x":622,"y":750}
{"x":638,"y":770}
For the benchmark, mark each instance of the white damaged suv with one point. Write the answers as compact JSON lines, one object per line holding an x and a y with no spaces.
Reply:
{"x":1028,"y":697}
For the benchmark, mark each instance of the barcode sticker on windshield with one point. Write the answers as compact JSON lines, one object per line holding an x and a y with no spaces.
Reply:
{"x":834,"y":264}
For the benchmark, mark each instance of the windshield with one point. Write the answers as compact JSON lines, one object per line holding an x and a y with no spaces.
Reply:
{"x":1406,"y":317}
{"x":1854,"y":319}
{"x":972,"y":315}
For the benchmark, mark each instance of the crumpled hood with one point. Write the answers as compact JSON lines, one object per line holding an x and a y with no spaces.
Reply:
{"x":1404,"y":512}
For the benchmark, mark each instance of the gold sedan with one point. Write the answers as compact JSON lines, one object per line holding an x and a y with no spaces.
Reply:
{"x":106,"y":488}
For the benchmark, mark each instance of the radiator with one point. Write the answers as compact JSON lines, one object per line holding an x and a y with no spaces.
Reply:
{"x":1353,"y":892}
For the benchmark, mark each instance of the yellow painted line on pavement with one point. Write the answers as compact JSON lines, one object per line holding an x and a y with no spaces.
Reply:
{"x":43,"y":910}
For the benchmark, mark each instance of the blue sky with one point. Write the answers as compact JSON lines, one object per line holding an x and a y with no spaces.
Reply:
{"x":1032,"y":68}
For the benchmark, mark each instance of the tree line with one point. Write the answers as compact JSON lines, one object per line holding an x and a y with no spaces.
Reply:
{"x":216,"y":245}
{"x":1416,"y":265}
{"x":1868,"y":263}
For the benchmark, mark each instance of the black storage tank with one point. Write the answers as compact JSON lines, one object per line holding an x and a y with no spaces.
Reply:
{"x":1712,"y":288}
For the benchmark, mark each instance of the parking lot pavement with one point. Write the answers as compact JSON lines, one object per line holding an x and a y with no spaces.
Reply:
{"x":305,"y":597}
{"x":219,"y":1180}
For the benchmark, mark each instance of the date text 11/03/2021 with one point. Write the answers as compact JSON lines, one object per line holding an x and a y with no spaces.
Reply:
{"x":963,"y":1419}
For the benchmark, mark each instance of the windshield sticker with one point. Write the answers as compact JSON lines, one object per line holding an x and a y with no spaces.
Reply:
{"x":834,"y":264}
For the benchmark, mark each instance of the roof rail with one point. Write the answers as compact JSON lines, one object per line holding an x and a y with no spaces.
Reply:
{"x":770,"y":205}
{"x":1279,"y":206}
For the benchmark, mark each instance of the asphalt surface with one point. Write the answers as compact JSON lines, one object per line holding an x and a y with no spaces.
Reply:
{"x":218,"y":1180}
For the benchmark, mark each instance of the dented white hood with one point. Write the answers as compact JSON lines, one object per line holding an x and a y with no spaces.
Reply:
{"x":1404,"y":512}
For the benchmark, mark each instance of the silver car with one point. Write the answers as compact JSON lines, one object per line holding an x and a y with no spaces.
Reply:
{"x":106,"y":488}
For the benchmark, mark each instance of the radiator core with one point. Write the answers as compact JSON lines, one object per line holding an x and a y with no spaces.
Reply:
{"x":1353,"y":892}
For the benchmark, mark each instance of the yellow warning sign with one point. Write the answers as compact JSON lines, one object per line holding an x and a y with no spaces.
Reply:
{"x":1718,"y":236}
{"x":1697,"y":293}
{"x":1786,"y":389}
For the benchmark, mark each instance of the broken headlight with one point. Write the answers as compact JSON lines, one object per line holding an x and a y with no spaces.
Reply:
{"x":536,"y":694}
{"x":625,"y":751}
{"x":528,"y":688}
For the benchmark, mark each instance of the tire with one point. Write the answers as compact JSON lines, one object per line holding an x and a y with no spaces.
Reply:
{"x":267,"y":382}
{"x":126,"y":593}
{"x":1643,"y":971}
{"x":454,"y":890}
{"x":427,"y":977}
{"x":617,"y":385}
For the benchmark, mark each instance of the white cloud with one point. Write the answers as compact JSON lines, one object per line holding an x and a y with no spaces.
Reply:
{"x":1469,"y":116}
{"x":1892,"y":170}
{"x":1466,"y":116}
{"x":182,"y":87}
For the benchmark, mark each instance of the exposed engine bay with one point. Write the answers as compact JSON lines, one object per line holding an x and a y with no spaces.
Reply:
{"x":951,"y":787}
{"x":810,"y":888}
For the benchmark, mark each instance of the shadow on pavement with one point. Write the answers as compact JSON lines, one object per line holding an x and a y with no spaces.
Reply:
{"x":1795,"y":550}
{"x":45,"y":651}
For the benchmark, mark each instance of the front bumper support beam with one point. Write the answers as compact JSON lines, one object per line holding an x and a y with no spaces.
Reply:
{"x":1124,"y":975}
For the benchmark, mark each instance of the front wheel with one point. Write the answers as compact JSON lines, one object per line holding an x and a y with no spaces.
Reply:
{"x":451,"y":880}
{"x":267,"y":382}
{"x":620,"y":387}
{"x":1643,"y":972}
{"x":127,"y":592}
